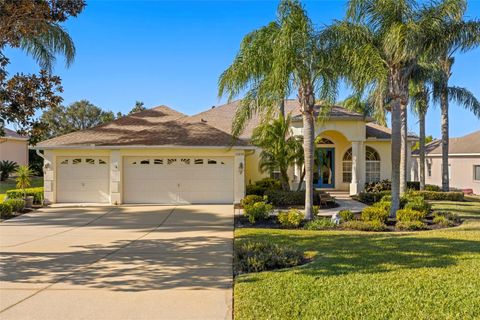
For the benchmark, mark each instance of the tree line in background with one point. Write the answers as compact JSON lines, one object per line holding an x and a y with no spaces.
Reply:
{"x":391,"y":53}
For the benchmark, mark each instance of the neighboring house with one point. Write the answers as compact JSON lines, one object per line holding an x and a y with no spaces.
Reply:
{"x":463,"y":162}
{"x":14,"y":147}
{"x":163,"y":156}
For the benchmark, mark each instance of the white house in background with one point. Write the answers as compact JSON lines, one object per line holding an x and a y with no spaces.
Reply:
{"x":463,"y":162}
{"x":163,"y":156}
{"x":14,"y":147}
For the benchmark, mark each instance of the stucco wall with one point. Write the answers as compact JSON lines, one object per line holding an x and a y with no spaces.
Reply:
{"x":461,"y":172}
{"x":252,"y":172}
{"x":14,"y":150}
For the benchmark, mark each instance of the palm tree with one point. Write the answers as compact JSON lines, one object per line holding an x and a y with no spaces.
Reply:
{"x":369,"y":107}
{"x":285,"y":56}
{"x":280,"y":149}
{"x":451,"y":36}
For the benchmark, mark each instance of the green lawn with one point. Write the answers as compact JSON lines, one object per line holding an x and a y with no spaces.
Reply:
{"x":11,"y":184}
{"x":359,"y":275}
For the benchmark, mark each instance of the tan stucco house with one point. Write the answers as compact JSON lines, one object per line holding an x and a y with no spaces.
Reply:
{"x":163,"y":156}
{"x":14,"y":147}
{"x":463,"y":162}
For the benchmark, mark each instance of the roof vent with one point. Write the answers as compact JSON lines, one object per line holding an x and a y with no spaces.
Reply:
{"x":203,"y":120}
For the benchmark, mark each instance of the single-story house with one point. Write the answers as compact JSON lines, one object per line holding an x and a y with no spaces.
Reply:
{"x":463,"y":162}
{"x":14,"y":147}
{"x":163,"y":156}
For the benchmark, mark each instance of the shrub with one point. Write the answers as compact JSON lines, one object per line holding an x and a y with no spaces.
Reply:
{"x":260,"y":186}
{"x":320,"y":224}
{"x":409,"y":215}
{"x":260,"y":256}
{"x":251,"y":199}
{"x":365,"y":225}
{"x":316,"y":210}
{"x":16,"y":204}
{"x":385,"y":205}
{"x":431,"y":187}
{"x":372,"y":197}
{"x":413,"y":185}
{"x":443,"y":221}
{"x":280,"y":198}
{"x":346,"y":215}
{"x":419,"y":204}
{"x":435,"y":195}
{"x":6,"y":168}
{"x":374,"y":214}
{"x":257,"y":211}
{"x":411,"y":225}
{"x":453,"y":217}
{"x":5,"y":210}
{"x":37,"y":194}
{"x":384,"y":185}
{"x":291,"y":218}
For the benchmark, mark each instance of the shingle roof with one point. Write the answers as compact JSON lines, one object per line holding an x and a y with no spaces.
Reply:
{"x":377,"y":131}
{"x":12,"y":134}
{"x":469,"y":143}
{"x":158,"y":126}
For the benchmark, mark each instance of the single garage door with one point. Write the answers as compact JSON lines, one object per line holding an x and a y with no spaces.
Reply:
{"x":177,"y":180}
{"x":83,"y":179}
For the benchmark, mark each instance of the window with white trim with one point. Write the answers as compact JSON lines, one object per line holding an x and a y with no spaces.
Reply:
{"x":372,"y":165}
{"x":476,"y":172}
{"x":347,"y":166}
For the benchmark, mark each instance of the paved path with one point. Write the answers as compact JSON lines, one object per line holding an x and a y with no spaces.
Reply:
{"x":127,"y":262}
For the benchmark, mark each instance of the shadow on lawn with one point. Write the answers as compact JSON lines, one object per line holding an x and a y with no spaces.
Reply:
{"x":342,"y":253}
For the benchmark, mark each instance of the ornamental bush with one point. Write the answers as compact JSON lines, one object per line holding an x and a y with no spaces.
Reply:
{"x":436,"y":195}
{"x":374,"y":214}
{"x":374,"y":225}
{"x":256,"y":256}
{"x":251,"y":199}
{"x":419,"y":204}
{"x":16,"y":204}
{"x":5,"y":210}
{"x":346,"y":215}
{"x":443,"y":221}
{"x":258,"y":211}
{"x":280,"y":198}
{"x":408,"y":215}
{"x":37,"y":194}
{"x":291,"y":218}
{"x":372,"y":197}
{"x":411,"y":225}
{"x":320,"y":224}
{"x":260,"y":186}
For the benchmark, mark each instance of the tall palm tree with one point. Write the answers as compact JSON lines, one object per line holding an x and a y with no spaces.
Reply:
{"x":280,"y":149}
{"x":285,"y":56}
{"x":369,"y":107}
{"x":453,"y":35}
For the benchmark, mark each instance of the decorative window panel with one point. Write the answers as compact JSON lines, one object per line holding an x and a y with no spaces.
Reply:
{"x":76,"y":161}
{"x":158,"y":161}
{"x":347,"y":171}
{"x":90,"y":161}
{"x":198,"y":161}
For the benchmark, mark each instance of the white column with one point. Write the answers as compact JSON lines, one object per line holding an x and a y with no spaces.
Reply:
{"x":361,"y":167}
{"x":354,"y":185}
{"x":239,"y":177}
{"x":115,"y":177}
{"x":49,"y":165}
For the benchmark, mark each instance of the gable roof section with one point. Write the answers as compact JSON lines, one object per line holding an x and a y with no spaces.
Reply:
{"x":10,"y":134}
{"x":160,"y":126}
{"x":468,"y":144}
{"x":376,"y":131}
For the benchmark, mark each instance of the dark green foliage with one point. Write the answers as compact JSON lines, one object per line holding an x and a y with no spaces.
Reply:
{"x":16,"y":204}
{"x":260,"y":186}
{"x":413,"y":185}
{"x":37,"y":194}
{"x":7,"y":167}
{"x":419,"y":204}
{"x":374,"y":214}
{"x":409,"y":215}
{"x":5,"y":210}
{"x":383,"y":204}
{"x":253,"y":256}
{"x":384,"y":185}
{"x":372,"y":197}
{"x":258,"y":211}
{"x":443,"y":221}
{"x":446,"y":215}
{"x":374,"y":225}
{"x":35,"y":162}
{"x":251,"y":199}
{"x":320,"y":224}
{"x":431,"y":187}
{"x":291,"y":218}
{"x":346,"y":215}
{"x":434,"y":195}
{"x":411,"y":225}
{"x":280,"y":198}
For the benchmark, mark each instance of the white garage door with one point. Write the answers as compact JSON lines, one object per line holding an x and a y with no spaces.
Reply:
{"x":83,"y":179}
{"x":172,"y":180}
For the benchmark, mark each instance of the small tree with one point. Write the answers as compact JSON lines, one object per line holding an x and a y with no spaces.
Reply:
{"x":23,"y":179}
{"x":7,"y":167}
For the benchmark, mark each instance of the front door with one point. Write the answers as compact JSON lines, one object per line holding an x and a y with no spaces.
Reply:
{"x":326,"y":168}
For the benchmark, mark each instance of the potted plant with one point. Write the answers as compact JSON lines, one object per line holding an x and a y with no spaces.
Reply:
{"x":23,"y":182}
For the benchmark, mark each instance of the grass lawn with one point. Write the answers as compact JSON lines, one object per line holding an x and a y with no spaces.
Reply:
{"x":11,"y":184}
{"x":358,"y":275}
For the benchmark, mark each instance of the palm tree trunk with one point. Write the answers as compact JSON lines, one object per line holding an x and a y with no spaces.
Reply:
{"x":421,"y":150}
{"x":404,"y":146}
{"x":395,"y":151}
{"x":284,"y":180}
{"x":282,"y":108}
{"x":302,"y":176}
{"x":445,"y":137}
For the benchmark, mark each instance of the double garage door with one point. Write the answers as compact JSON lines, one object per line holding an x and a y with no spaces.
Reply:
{"x":161,"y":180}
{"x":178,"y":180}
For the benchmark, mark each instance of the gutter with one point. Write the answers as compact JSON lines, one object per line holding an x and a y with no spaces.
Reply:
{"x":94,"y":147}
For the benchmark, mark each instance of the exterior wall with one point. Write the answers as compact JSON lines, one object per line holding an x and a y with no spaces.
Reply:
{"x":116,"y":166}
{"x":461,"y":171}
{"x":252,"y":172}
{"x":14,"y":150}
{"x":384,"y":150}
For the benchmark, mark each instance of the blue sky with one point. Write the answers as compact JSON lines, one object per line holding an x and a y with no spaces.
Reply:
{"x":172,"y":53}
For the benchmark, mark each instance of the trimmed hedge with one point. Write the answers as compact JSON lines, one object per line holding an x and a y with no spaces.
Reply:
{"x":16,"y":204}
{"x":291,"y":218}
{"x":372,"y":197}
{"x":5,"y":210}
{"x":365,"y":225}
{"x":37,"y":194}
{"x":438,"y":195}
{"x":280,"y":198}
{"x":261,"y":186}
{"x":374,"y":214}
{"x":409,"y":215}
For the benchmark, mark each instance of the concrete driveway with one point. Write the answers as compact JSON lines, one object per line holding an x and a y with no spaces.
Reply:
{"x":127,"y":262}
